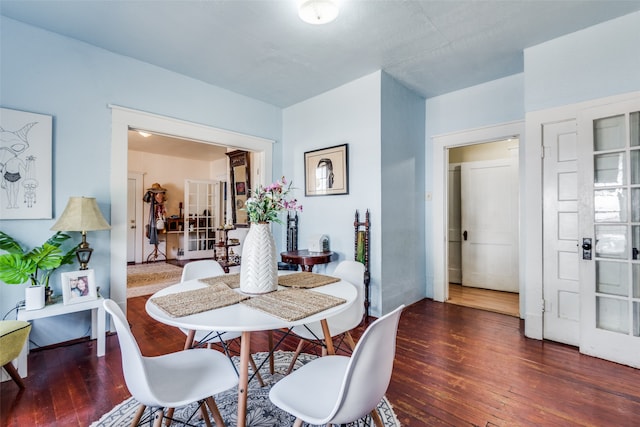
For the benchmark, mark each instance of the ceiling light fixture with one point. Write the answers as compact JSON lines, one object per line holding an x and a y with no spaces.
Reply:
{"x":144,"y":134}
{"x":318,"y":12}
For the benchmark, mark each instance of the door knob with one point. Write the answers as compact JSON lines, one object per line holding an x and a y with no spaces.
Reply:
{"x":586,"y":248}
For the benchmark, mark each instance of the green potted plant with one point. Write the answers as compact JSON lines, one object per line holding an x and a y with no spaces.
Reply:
{"x":18,"y":265}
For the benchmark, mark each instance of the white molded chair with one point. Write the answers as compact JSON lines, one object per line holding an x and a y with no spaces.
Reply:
{"x":200,"y":270}
{"x":171,"y":380}
{"x":341,"y":389}
{"x":342,"y":323}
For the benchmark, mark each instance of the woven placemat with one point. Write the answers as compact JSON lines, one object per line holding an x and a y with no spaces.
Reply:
{"x":293,"y":304}
{"x":231,"y":280}
{"x":196,"y":301}
{"x":305,"y":280}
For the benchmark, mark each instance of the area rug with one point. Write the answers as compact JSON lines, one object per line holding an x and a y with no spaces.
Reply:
{"x":145,"y":279}
{"x":260,"y":411}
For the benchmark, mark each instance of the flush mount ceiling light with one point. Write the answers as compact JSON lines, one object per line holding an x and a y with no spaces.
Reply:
{"x":318,"y":12}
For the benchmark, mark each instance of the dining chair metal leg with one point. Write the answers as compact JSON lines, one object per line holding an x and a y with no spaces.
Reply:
{"x":138,"y":415}
{"x":215,"y":412}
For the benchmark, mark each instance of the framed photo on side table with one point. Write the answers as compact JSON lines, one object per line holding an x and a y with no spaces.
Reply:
{"x":78,"y":286}
{"x":326,"y":171}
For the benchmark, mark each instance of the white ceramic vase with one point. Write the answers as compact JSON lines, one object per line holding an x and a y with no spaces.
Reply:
{"x":259,"y":264}
{"x":33,"y":297}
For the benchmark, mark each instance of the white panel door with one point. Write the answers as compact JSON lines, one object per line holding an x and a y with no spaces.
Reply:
{"x":561,"y":290}
{"x":131,"y":220}
{"x":135,"y":226}
{"x":489,"y":205}
{"x":610,"y":216}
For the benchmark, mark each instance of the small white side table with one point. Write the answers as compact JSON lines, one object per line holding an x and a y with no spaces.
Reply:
{"x":98,"y":324}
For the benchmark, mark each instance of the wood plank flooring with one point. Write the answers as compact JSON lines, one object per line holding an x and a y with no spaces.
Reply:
{"x":485,"y":299}
{"x":455,"y":366}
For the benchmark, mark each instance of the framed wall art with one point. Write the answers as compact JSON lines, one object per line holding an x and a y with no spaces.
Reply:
{"x":326,"y":171}
{"x":25,"y":165}
{"x":78,"y":286}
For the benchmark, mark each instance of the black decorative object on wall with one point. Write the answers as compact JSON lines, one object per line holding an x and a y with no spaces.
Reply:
{"x":362,"y":252}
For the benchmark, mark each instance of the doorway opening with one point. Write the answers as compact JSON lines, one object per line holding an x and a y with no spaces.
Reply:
{"x":482,"y":252}
{"x":193,"y":176}
{"x":124,"y":119}
{"x":440,"y":232}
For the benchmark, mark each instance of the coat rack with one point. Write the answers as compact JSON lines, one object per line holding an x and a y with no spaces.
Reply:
{"x":362,"y":253}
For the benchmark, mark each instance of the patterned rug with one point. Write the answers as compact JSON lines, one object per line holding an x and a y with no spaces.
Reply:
{"x":145,"y":279}
{"x":260,"y":411}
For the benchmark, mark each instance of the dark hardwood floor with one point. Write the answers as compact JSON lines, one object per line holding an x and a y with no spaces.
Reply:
{"x":455,"y":366}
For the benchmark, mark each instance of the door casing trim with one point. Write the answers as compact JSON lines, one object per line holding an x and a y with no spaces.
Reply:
{"x":441,"y":145}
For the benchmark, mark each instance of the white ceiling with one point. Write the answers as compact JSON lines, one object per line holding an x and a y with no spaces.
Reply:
{"x":261,"y":49}
{"x":175,"y":147}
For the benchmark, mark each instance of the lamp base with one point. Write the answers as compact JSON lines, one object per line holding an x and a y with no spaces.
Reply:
{"x":83,"y":253}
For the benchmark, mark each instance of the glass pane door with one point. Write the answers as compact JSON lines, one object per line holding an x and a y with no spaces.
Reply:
{"x":609,"y":224}
{"x":201,"y":218}
{"x":616,"y":170}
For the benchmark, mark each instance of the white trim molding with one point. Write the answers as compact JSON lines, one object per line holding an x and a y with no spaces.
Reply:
{"x":441,"y":145}
{"x":122,"y":119}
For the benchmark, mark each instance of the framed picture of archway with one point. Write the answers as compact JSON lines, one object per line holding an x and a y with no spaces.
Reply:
{"x":326,"y":171}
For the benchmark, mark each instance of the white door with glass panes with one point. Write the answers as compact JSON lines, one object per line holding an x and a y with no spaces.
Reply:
{"x":609,"y":212}
{"x":201,"y":218}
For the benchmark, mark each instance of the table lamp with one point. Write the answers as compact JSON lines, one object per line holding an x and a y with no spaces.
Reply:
{"x":82,"y":214}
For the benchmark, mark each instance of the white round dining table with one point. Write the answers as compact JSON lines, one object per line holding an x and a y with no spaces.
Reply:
{"x":242,"y":318}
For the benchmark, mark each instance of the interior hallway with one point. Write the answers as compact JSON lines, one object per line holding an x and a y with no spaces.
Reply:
{"x":496,"y":301}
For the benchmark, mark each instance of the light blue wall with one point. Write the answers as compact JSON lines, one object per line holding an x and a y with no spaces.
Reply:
{"x":596,"y":62}
{"x":599,"y":61}
{"x":403,"y":170}
{"x":74,"y":82}
{"x":45,"y":73}
{"x":348,"y":114}
{"x":491,"y":103}
{"x":383,"y":123}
